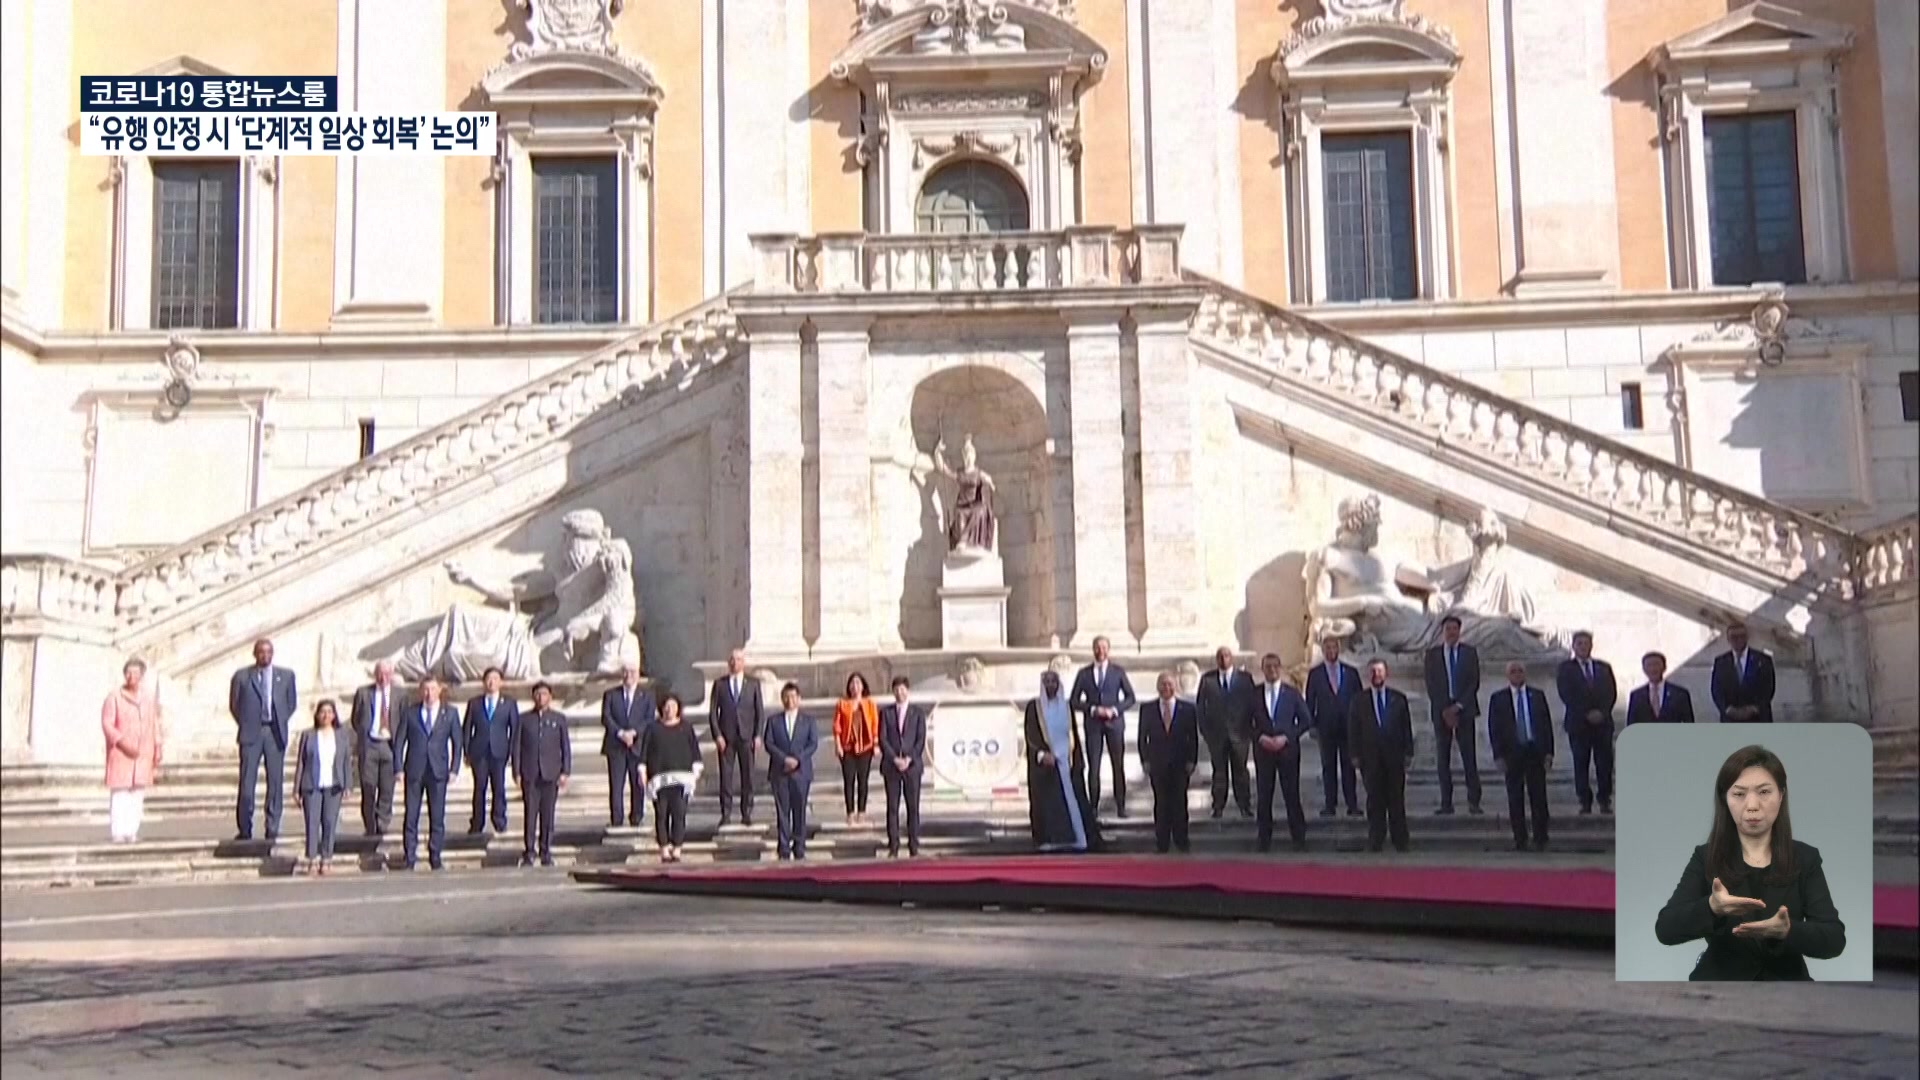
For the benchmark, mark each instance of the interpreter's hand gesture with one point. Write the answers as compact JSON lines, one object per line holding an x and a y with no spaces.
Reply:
{"x":1775,"y":927}
{"x":1723,"y":903}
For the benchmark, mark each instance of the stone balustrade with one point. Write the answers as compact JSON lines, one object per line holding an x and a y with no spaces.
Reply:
{"x":1079,"y":257}
{"x":50,"y":587}
{"x":667,"y":353}
{"x":1886,"y":558}
{"x":1739,"y":525}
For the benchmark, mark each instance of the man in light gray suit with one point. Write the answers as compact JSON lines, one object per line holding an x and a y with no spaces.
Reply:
{"x":261,"y":699}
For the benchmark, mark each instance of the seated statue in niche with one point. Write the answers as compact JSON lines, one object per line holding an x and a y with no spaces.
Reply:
{"x":971,"y":525}
{"x":1354,"y":595}
{"x":587,"y":608}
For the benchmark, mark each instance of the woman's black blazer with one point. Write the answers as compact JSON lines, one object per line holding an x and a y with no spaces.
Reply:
{"x":1815,"y":928}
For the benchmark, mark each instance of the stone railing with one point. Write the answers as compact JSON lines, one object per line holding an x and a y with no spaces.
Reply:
{"x":1759,"y":533}
{"x":1089,"y":256}
{"x":668,"y":352}
{"x":1886,"y":559}
{"x":50,"y":587}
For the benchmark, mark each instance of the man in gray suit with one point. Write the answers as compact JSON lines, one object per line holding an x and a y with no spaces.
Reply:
{"x":261,"y":698}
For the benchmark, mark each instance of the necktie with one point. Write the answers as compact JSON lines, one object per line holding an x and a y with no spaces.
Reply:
{"x":900,"y":719}
{"x":489,"y":708}
{"x":626,"y":704}
{"x":1380,"y":708}
{"x":1740,"y":663}
{"x":1450,"y":659}
{"x":1273,"y":700}
{"x":380,"y":711}
{"x":736,"y":688}
{"x":1587,"y":666}
{"x":266,"y":692}
{"x":1526,"y":718}
{"x":1166,"y":714}
{"x":1333,"y":677}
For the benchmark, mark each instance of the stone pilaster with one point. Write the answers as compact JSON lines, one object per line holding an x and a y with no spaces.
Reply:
{"x":775,"y":450}
{"x":846,"y":484}
{"x":1168,"y":448}
{"x":1099,"y":513}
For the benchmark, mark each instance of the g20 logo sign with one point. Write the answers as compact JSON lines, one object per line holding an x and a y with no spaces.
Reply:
{"x":963,"y":749}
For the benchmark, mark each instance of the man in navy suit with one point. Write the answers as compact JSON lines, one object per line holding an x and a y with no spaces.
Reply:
{"x":261,"y":698}
{"x":626,"y":711}
{"x":1332,"y":685}
{"x":736,"y":721}
{"x":1281,"y":723}
{"x":791,"y":741}
{"x":1743,"y":681}
{"x":1380,"y":730}
{"x":1658,"y":702}
{"x":1225,"y":703}
{"x":542,"y":757}
{"x":1520,"y":733}
{"x":1453,"y":700}
{"x":428,"y":746}
{"x":1169,"y":740}
{"x":1588,"y":693}
{"x":1102,"y":695}
{"x":492,"y":721}
{"x":903,"y":752}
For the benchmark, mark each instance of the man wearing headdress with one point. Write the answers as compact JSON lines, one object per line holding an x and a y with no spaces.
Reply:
{"x":1057,"y":803}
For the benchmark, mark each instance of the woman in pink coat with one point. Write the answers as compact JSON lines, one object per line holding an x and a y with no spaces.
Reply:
{"x":131,"y":722}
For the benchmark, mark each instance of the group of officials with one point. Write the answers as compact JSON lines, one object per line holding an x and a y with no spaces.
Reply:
{"x":1362,"y":725}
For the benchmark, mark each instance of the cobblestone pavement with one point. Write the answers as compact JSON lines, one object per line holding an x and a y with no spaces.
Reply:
{"x":531,"y":975}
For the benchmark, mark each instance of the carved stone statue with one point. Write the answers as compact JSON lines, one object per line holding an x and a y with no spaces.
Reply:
{"x":969,"y":26}
{"x":590,"y":599}
{"x":971,"y":525}
{"x":1355,"y":595}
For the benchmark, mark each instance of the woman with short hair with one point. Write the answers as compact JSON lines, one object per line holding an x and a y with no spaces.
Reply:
{"x":130,"y":720}
{"x":856,"y":732}
{"x":669,"y":753}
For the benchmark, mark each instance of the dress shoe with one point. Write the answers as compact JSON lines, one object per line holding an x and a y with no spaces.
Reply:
{"x":1606,"y":808}
{"x":1443,"y":811}
{"x":1585,"y":810}
{"x":1539,"y":845}
{"x":1299,"y":845}
{"x":746,"y":821}
{"x":893,"y":853}
{"x":526,"y":861}
{"x":1353,"y":811}
{"x":1263,"y":846}
{"x":242,"y":838}
{"x":272,"y":837}
{"x":1373,"y":847}
{"x":475,"y":830}
{"x":1218,"y":811}
{"x":547,"y":862}
{"x":1329,"y":812}
{"x":726,"y":820}
{"x":1402,"y":848}
{"x":1519,"y":845}
{"x":437,"y":867}
{"x":1474,"y":809}
{"x":1246,"y":811}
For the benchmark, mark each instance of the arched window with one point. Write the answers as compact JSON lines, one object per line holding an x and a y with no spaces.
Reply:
{"x":971,"y":196}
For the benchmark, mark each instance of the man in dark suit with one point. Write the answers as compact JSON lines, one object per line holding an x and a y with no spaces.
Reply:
{"x":791,"y":742}
{"x":1453,"y":700}
{"x":736,"y":721}
{"x":903,"y":752}
{"x":428,"y":744}
{"x":374,"y":708}
{"x":626,"y":711}
{"x":1102,"y":695}
{"x":1588,"y":693}
{"x":542,"y":758}
{"x":1281,"y":725}
{"x":261,"y":698}
{"x":1225,"y":703}
{"x":1380,"y":731}
{"x":1743,"y":681}
{"x":1520,"y":733}
{"x":492,"y":721}
{"x":1331,"y":687}
{"x":1169,"y":739}
{"x":1658,"y":702}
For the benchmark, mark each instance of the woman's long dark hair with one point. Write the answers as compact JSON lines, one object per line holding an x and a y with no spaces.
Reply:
{"x":865,"y":689}
{"x":1723,"y":844}
{"x":326,"y":705}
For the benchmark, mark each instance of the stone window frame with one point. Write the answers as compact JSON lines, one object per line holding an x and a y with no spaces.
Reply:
{"x":130,"y":304}
{"x":1016,"y":191}
{"x":1360,"y":74}
{"x":571,"y":104}
{"x":1760,"y":58}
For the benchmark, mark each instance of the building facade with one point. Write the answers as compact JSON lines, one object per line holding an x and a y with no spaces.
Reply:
{"x":1637,"y":277}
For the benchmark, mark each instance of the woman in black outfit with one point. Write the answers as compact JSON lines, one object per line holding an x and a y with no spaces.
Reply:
{"x":1755,"y":894}
{"x":669,"y":753}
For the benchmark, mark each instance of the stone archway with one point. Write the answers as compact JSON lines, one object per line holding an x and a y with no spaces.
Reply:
{"x":1009,"y":430}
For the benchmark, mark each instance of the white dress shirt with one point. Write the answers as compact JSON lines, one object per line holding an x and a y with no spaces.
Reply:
{"x":324,"y":748}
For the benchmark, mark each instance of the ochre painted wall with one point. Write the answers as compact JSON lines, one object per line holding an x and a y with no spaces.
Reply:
{"x":1106,"y":129}
{"x":833,"y":116}
{"x":1260,"y":28}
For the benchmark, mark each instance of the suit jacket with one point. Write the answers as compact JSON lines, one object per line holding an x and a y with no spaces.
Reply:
{"x":1731,"y":688}
{"x":432,"y":749}
{"x":1289,"y":716}
{"x":362,"y":715}
{"x":250,"y":710}
{"x":306,"y":777}
{"x":1676,"y":706}
{"x":1579,"y":697}
{"x":1115,"y":692}
{"x":1372,"y":741}
{"x":1814,"y":926}
{"x":1503,"y":724}
{"x":1226,"y":711}
{"x":1328,"y":703}
{"x":1466,"y":681}
{"x":615,"y":717}
{"x":895,"y":743}
{"x":494,"y":738}
{"x":1164,"y":748}
{"x":542,"y":748}
{"x":736,"y":719}
{"x":800,"y":742}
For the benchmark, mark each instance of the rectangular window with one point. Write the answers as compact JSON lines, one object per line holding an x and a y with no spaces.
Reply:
{"x":196,"y":245}
{"x":366,"y":437}
{"x":576,"y":240}
{"x":1910,"y":396}
{"x":1369,"y":226}
{"x":1753,"y":198}
{"x":1633,"y":415}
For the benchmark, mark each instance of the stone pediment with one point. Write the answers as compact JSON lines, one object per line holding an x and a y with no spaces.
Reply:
{"x":570,"y":56}
{"x":185,"y":65}
{"x":974,"y":36}
{"x":1756,"y":32}
{"x":1365,"y":40}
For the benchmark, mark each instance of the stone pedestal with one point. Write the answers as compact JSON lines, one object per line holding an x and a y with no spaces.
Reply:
{"x":973,"y":601}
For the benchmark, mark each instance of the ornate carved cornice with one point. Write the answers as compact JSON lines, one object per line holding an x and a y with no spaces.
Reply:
{"x":581,"y":28}
{"x":1340,"y":15}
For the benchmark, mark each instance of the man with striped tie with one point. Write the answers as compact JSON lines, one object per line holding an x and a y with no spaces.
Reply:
{"x":1588,"y":693}
{"x":1520,"y":733}
{"x":1380,"y":733}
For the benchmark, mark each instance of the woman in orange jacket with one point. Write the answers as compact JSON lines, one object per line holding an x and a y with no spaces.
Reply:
{"x":856,"y":732}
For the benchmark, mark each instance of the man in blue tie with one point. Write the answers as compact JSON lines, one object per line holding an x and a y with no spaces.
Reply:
{"x":492,"y":720}
{"x":1380,"y":731}
{"x":1453,"y":700}
{"x":1280,"y":726}
{"x":1743,"y":681}
{"x":1520,"y":732}
{"x":261,"y":699}
{"x":428,"y":747}
{"x":791,"y":741}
